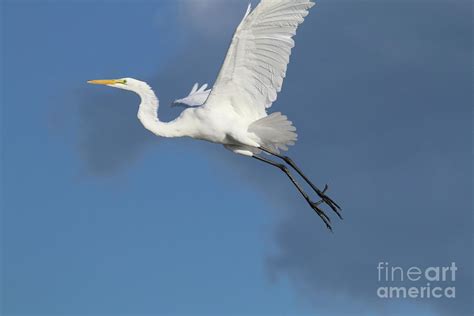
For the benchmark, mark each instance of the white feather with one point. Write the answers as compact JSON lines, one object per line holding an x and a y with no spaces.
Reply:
{"x":257,"y":59}
{"x":196,"y":97}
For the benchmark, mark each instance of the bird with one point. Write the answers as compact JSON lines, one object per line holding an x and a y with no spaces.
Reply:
{"x":234,"y":112}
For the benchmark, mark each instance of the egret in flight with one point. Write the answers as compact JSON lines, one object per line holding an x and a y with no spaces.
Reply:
{"x":234,"y":111}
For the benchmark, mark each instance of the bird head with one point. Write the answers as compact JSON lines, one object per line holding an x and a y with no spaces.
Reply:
{"x":123,"y":83}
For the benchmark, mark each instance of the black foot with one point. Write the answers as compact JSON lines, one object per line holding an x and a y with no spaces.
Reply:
{"x":320,"y":212}
{"x":327,"y":200}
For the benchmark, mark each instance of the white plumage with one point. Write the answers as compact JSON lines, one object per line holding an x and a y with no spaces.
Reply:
{"x":234,"y":112}
{"x":254,"y":69}
{"x":255,"y":65}
{"x":196,"y":97}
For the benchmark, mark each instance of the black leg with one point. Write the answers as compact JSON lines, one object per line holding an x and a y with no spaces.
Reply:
{"x":322,"y":194}
{"x":314,"y":206}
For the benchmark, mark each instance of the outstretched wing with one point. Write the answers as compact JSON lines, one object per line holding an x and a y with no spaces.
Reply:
{"x":196,"y":97}
{"x":257,"y":59}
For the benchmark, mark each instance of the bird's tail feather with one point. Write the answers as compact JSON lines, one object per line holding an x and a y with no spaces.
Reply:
{"x":275,"y":131}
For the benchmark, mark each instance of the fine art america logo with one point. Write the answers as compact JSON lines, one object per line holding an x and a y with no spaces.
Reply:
{"x":416,"y":282}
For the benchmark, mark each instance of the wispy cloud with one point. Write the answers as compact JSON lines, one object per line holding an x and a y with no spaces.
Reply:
{"x":110,"y":137}
{"x":212,"y":17}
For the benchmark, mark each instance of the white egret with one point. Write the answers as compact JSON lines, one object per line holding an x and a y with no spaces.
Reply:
{"x":234,"y":112}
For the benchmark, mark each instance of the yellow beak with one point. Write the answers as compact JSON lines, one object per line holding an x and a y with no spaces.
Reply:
{"x":107,"y":81}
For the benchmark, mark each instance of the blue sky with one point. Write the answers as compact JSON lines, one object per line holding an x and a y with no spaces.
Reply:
{"x":101,"y":218}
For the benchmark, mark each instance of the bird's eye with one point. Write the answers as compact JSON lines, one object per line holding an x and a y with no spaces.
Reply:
{"x":124,"y":81}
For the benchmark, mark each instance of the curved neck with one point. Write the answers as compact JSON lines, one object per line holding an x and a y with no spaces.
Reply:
{"x":148,"y":114}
